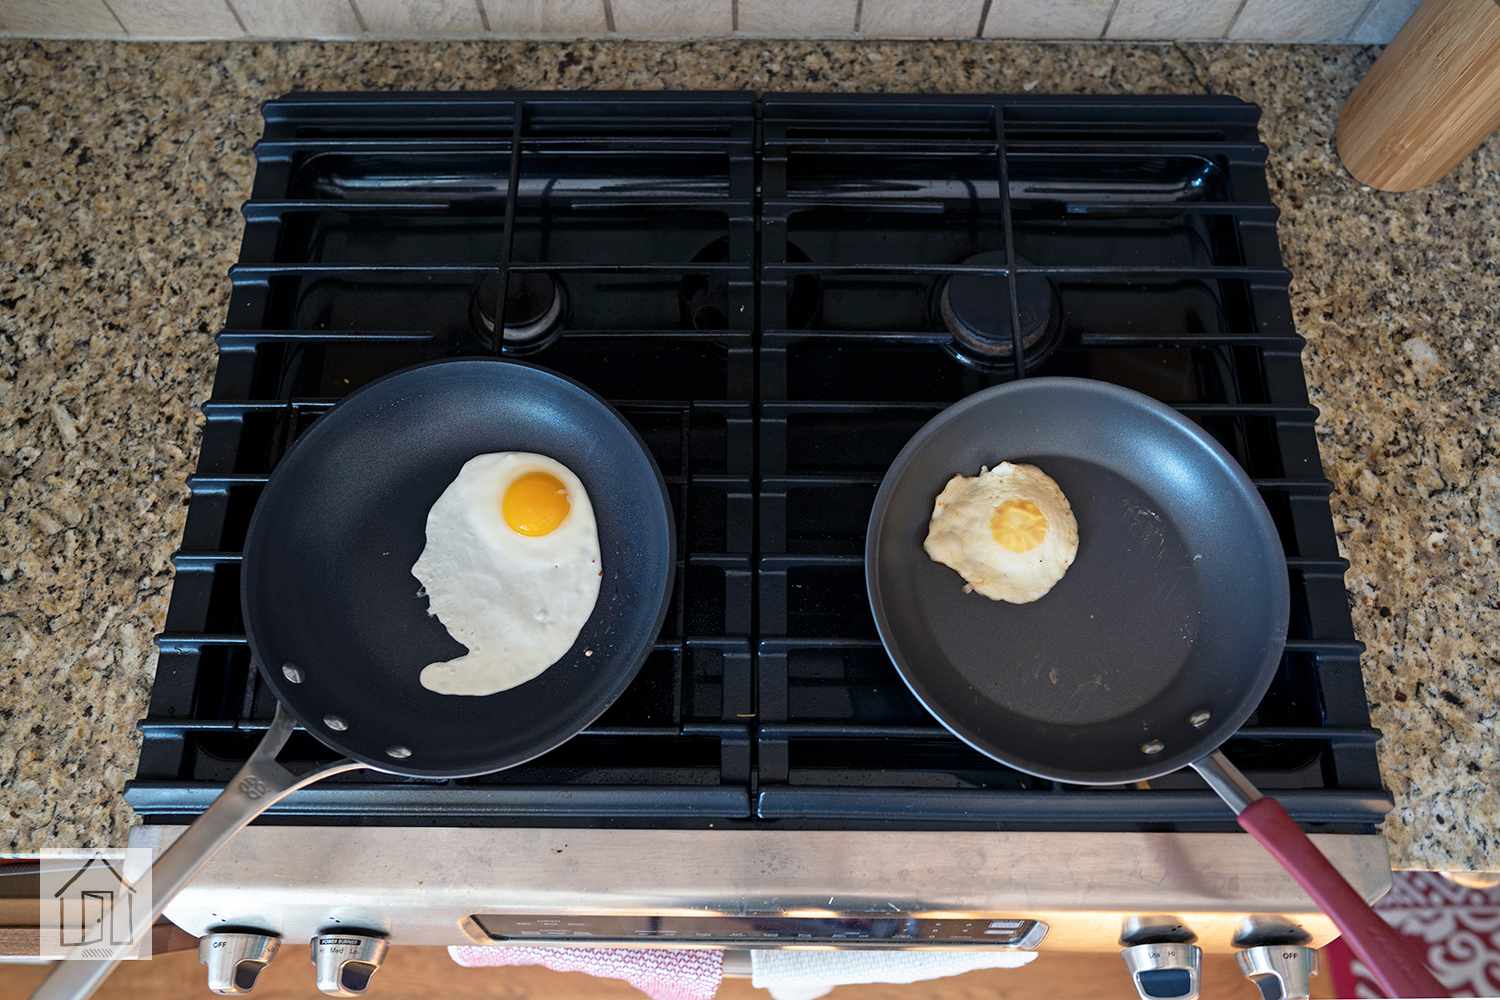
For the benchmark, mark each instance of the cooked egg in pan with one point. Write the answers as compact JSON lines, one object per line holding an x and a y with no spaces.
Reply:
{"x":511,"y":569}
{"x":1009,"y":532}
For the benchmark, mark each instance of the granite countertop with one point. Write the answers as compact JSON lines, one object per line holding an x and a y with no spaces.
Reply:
{"x":123,"y":169}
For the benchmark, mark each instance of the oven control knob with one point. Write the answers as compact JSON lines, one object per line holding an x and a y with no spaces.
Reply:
{"x":345,"y":962}
{"x":1165,"y":971}
{"x":1279,"y":971}
{"x":235,"y":959}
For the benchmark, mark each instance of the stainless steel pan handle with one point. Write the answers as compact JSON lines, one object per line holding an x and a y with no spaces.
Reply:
{"x":259,"y":785}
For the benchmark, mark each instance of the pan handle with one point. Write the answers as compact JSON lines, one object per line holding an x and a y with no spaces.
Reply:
{"x":1388,"y":956}
{"x":259,"y":785}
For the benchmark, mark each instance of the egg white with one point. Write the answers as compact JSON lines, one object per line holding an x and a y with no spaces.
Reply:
{"x":517,"y":602}
{"x":959,"y":536}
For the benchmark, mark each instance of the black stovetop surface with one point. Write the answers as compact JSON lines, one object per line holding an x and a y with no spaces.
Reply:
{"x":758,"y":284}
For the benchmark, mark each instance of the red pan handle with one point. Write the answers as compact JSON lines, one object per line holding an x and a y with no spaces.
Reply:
{"x":1388,"y":956}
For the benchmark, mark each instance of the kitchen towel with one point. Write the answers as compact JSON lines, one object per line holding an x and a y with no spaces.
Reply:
{"x":660,"y":973}
{"x":803,"y":975}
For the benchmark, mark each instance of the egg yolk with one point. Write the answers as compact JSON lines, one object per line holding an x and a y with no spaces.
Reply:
{"x":535,"y":504}
{"x":1018,"y":525}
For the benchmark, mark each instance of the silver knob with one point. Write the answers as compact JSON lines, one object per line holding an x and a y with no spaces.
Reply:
{"x":235,"y":959}
{"x":1166,"y":971}
{"x":1280,"y":971}
{"x":345,"y":962}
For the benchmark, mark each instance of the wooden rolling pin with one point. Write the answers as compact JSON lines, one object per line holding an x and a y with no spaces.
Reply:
{"x":1431,"y":98}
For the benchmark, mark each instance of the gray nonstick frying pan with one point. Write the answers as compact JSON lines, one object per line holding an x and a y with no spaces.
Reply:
{"x":1154,"y":648}
{"x":337,"y":627}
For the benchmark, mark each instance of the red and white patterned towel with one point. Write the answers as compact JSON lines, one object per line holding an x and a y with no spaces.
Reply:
{"x":695,"y":974}
{"x":1457,"y":929}
{"x":660,"y":973}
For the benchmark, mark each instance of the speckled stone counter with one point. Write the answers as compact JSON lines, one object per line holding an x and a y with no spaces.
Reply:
{"x":123,"y":169}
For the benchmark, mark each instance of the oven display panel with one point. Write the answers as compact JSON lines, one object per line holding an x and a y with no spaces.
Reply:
{"x":770,"y":930}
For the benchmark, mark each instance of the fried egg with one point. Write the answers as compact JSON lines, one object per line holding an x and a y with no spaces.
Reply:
{"x":511,"y":568}
{"x":1009,"y":532}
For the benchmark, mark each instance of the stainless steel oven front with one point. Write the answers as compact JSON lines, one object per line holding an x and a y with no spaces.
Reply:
{"x":761,"y":889}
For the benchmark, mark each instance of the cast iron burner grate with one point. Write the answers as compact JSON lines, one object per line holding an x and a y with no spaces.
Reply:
{"x":758,"y":284}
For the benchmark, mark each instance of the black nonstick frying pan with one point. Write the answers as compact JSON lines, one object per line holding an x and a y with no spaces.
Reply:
{"x":1154,"y":648}
{"x":339,"y":631}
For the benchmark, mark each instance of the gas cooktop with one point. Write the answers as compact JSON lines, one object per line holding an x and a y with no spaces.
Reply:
{"x":777,"y":292}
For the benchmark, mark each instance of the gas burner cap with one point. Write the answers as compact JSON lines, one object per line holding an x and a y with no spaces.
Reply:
{"x":533,"y":306}
{"x":976,"y":310}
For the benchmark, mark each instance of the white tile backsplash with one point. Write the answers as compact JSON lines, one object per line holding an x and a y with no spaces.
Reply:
{"x":1147,"y":19}
{"x":176,"y":19}
{"x":1384,"y":20}
{"x":549,"y":18}
{"x":1351,"y":21}
{"x":297,"y":18}
{"x":921,"y":18}
{"x":1297,"y":20}
{"x":416,"y":18}
{"x":673,"y":18}
{"x":794,"y":18}
{"x":49,"y":18}
{"x":1055,"y":19}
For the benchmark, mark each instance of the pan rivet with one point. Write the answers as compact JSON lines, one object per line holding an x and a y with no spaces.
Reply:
{"x":1153,"y":747}
{"x":335,"y":723}
{"x":1200,"y":718}
{"x":400,"y":753}
{"x":292,"y":672}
